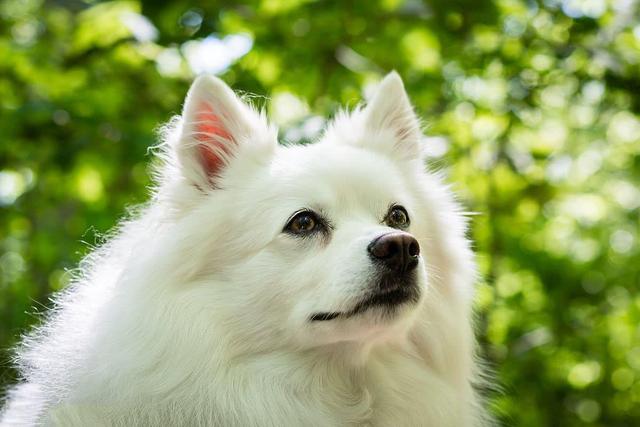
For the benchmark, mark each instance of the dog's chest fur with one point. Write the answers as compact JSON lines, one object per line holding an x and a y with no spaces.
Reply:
{"x":392,"y":389}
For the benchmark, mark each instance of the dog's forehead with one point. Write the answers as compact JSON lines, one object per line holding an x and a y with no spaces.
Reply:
{"x":337,"y":175}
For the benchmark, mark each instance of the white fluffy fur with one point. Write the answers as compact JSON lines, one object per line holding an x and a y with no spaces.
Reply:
{"x":196,"y":312}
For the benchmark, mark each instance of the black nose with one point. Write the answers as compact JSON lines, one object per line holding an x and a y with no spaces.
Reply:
{"x":398,"y":251}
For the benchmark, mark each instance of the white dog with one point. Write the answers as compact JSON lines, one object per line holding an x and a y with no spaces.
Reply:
{"x":328,"y":284}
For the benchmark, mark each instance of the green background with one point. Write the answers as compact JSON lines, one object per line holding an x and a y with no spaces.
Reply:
{"x":531,"y":108}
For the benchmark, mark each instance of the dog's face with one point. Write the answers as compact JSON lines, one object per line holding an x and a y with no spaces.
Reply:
{"x":304,"y":245}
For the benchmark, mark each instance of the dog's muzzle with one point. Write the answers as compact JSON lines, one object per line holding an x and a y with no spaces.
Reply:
{"x":395,"y":256}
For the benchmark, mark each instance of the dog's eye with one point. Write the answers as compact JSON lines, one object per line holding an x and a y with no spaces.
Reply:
{"x":397,"y":217}
{"x":303,"y":222}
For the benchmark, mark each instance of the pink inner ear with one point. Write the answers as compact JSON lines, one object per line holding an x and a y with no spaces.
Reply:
{"x":214,"y":138}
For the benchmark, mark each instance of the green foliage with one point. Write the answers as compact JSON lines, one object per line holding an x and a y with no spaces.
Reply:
{"x":532,"y":108}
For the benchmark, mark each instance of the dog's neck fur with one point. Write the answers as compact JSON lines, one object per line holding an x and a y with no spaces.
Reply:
{"x":347,"y":384}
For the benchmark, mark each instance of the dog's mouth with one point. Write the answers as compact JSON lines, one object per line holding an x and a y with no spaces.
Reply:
{"x":389,"y":298}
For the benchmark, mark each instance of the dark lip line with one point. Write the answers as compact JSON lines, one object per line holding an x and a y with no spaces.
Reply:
{"x":402,"y":295}
{"x":321,"y":317}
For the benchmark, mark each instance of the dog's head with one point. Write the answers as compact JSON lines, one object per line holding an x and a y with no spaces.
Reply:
{"x":300,"y":245}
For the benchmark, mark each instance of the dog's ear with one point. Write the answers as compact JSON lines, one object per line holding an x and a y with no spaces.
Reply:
{"x":390,"y":115}
{"x":216,"y":126}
